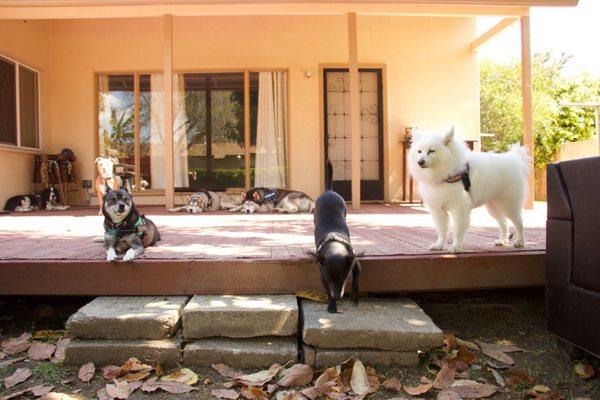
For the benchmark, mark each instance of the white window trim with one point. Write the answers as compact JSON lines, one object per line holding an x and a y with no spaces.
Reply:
{"x":18,"y":64}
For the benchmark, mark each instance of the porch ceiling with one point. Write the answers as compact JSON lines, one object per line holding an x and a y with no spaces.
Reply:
{"x":71,"y":9}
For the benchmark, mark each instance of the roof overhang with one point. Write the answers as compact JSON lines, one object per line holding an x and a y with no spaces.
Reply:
{"x":67,"y":9}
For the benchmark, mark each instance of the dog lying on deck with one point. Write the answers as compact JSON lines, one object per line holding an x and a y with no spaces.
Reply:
{"x":206,"y":200}
{"x":335,"y":255}
{"x":125,"y":229}
{"x":263,"y":200}
{"x":47,"y":199}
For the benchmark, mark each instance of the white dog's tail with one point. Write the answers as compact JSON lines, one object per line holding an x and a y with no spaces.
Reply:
{"x":523,"y":156}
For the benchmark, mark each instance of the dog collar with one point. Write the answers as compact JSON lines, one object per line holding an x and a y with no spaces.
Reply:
{"x":462,"y":177}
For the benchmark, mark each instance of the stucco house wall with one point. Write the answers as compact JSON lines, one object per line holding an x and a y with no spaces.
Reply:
{"x":429,"y":72}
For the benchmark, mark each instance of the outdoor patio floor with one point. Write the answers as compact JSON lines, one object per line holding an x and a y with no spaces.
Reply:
{"x":376,"y":229}
{"x":53,"y":253}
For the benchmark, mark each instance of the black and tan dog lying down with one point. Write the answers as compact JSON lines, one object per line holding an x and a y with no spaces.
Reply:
{"x":335,"y":255}
{"x":47,"y":199}
{"x":125,"y":229}
{"x":263,"y":200}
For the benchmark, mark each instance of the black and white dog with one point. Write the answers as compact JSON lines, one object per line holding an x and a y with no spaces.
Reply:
{"x":206,"y":200}
{"x":262,"y":200}
{"x":125,"y":229}
{"x":47,"y":199}
{"x":335,"y":255}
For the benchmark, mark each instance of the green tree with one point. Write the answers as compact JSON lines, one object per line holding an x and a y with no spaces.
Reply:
{"x":501,"y":105}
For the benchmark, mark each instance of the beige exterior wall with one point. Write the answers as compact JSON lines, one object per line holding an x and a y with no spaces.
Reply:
{"x":573,"y":150}
{"x":430,"y":74}
{"x":27,"y":43}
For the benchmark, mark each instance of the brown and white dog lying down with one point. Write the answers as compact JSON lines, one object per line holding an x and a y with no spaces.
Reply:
{"x":263,"y":200}
{"x":207,"y":200}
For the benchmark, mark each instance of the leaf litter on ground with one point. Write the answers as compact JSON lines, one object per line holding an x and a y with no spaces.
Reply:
{"x":20,"y":375}
{"x":86,"y":372}
{"x":16,"y":345}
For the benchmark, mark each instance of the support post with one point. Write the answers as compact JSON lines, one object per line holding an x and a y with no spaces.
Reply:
{"x":247,"y":161}
{"x":527,"y":104}
{"x":354,"y":109}
{"x":168,"y":96}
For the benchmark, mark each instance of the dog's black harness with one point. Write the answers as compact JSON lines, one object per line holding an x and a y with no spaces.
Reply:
{"x":133,"y":223}
{"x":335,"y":237}
{"x":462,"y":177}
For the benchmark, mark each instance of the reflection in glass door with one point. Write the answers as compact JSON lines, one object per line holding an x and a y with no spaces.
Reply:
{"x":338,"y":139}
{"x":209,"y":131}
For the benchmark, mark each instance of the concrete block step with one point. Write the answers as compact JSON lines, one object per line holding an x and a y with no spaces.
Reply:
{"x":398,"y":325}
{"x":167,"y":352}
{"x":323,"y":358}
{"x":135,"y":317}
{"x":240,"y":316}
{"x":241,"y":353}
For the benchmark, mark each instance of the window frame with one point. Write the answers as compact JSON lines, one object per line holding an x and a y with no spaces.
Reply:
{"x":246,"y":71}
{"x":18,"y":146}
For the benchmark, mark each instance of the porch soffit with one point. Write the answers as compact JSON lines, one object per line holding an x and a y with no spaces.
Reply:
{"x":79,"y":9}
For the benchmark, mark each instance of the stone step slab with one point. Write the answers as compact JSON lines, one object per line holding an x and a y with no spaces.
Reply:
{"x":241,"y":353}
{"x":135,"y":317}
{"x":324,"y":358}
{"x":383,"y":324}
{"x":240,"y":316}
{"x":167,"y":352}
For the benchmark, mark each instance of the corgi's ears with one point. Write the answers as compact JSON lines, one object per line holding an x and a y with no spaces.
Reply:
{"x":448,"y":136}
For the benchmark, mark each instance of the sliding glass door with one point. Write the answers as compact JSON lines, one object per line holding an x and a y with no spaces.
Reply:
{"x":229,"y":129}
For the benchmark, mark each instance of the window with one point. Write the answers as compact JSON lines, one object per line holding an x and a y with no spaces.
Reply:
{"x":209,"y":134}
{"x":19,"y":105}
{"x":130,"y":126}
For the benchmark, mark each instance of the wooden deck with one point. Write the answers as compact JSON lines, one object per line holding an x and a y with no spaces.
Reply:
{"x":54,"y":253}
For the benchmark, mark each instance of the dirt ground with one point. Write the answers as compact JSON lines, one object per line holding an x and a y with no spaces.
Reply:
{"x":515,"y":316}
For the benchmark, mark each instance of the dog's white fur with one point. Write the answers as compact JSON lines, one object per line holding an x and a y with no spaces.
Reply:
{"x":498,"y":181}
{"x":198,"y":202}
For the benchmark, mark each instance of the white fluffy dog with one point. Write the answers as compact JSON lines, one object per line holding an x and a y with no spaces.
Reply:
{"x":453,"y":180}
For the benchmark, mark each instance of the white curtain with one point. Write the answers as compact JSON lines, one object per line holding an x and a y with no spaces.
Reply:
{"x":270,"y":167}
{"x":157,"y":132}
{"x":180,"y":153}
{"x":104,"y":114}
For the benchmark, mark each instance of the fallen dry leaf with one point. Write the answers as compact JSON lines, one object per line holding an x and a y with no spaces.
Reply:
{"x":39,"y":351}
{"x":314,"y":296}
{"x":296,"y":375}
{"x":392,"y":385}
{"x":584,"y":370}
{"x":150,"y":385}
{"x":472,"y":390}
{"x":16,"y":345}
{"x":359,"y":382}
{"x":2,"y":355}
{"x":418,"y":390}
{"x":14,"y":395}
{"x":102,"y":394}
{"x":290,"y":395}
{"x":227,"y":371}
{"x":444,"y":378}
{"x":136,"y":376}
{"x":134,"y":365}
{"x":118,"y":390}
{"x":540,"y":389}
{"x":254,"y":393}
{"x":498,"y":355}
{"x":111,"y":372}
{"x":20,"y":375}
{"x":323,"y":383}
{"x":59,"y":353}
{"x":86,"y":372}
{"x":175,"y":387}
{"x":184,"y":375}
{"x":158,"y":371}
{"x":499,"y":379}
{"x":261,"y":377}
{"x":465,"y":355}
{"x":225,"y":394}
{"x":6,"y":363}
{"x":40,"y":390}
{"x":466,"y":343}
{"x":517,"y":377}
{"x":502,"y":347}
{"x":48,"y":334}
{"x":62,"y":396}
{"x":448,"y":395}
